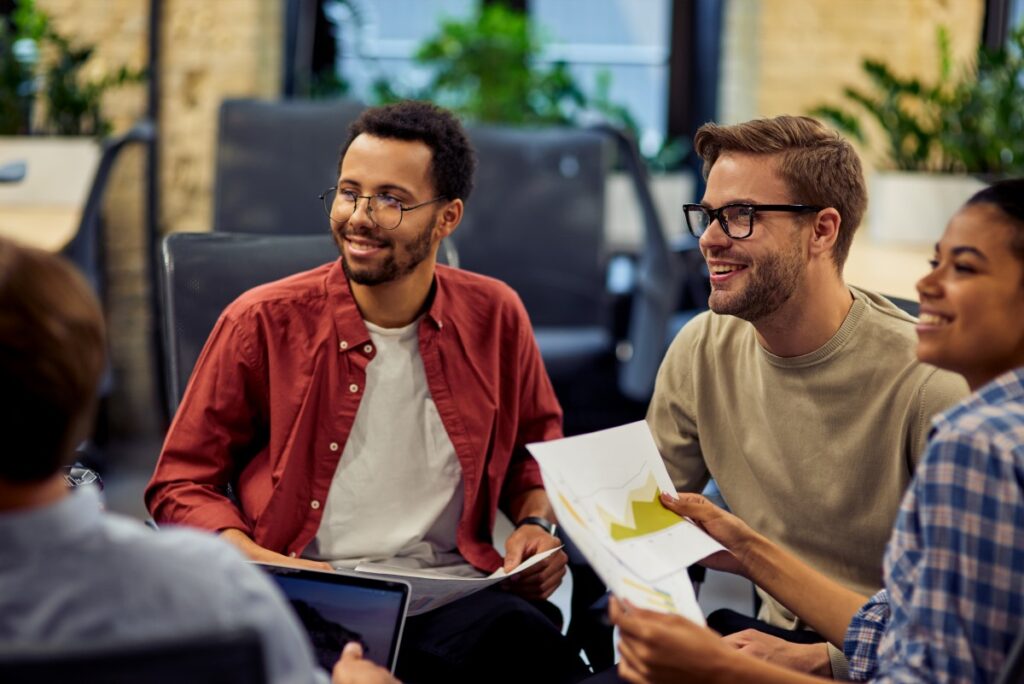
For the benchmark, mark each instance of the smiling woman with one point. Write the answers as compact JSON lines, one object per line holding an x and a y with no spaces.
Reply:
{"x":972,"y":302}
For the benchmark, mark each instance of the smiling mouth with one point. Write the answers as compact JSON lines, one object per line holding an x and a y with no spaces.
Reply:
{"x":725,"y":269}
{"x":933,"y":319}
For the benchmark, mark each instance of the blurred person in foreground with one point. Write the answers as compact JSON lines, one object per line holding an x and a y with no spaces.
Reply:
{"x":798,"y":393}
{"x":953,"y":601}
{"x":71,"y":574}
{"x":378,"y":408}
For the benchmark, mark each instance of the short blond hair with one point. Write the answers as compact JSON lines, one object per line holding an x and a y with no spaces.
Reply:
{"x":820,"y":167}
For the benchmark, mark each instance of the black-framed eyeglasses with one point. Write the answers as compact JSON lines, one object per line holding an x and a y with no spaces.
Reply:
{"x":385,"y":211}
{"x":736,"y":219}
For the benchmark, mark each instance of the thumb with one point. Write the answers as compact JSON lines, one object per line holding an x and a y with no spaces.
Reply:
{"x":513,"y":553}
{"x":353,"y":651}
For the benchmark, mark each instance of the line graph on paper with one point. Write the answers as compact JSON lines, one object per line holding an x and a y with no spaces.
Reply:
{"x":605,"y":488}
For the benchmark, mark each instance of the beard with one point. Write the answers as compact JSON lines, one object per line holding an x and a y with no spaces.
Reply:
{"x":400,"y":260}
{"x":769,"y":286}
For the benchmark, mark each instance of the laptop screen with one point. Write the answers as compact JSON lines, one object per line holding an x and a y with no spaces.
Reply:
{"x":336,"y":608}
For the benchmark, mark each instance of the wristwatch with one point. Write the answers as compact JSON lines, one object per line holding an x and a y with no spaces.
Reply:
{"x":548,"y":526}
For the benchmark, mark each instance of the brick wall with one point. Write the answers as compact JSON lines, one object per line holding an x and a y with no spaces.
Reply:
{"x":786,"y":56}
{"x":209,"y":50}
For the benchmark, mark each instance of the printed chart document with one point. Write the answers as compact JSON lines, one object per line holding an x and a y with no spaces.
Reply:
{"x":604,"y":488}
{"x":430,"y":589}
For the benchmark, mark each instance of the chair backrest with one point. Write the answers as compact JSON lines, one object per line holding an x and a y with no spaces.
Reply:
{"x":536,"y":220}
{"x":273,"y":159}
{"x":911,"y":306}
{"x":201,"y":273}
{"x":224,"y":657}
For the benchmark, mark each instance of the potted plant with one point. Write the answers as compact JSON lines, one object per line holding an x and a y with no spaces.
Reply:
{"x":487,"y":68}
{"x":942,"y":138}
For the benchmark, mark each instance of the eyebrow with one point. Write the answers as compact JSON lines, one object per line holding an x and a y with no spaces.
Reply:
{"x":387,"y":188}
{"x":957,"y":251}
{"x":707,"y":205}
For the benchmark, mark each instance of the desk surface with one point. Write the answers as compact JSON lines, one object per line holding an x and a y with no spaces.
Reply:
{"x":46,"y":227}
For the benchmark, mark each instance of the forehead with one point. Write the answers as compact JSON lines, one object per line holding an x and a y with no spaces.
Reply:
{"x":373,"y":162}
{"x":738,"y":176}
{"x":983,"y":227}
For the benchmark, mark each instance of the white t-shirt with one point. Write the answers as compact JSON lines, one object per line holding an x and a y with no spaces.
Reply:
{"x":397,"y":494}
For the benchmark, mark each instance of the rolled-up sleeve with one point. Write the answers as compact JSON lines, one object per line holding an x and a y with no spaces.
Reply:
{"x":864,"y":634}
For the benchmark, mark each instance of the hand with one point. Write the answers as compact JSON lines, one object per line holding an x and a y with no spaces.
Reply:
{"x":657,"y":648}
{"x":810,"y":658}
{"x":539,"y":581}
{"x":731,"y":532}
{"x":352,"y":668}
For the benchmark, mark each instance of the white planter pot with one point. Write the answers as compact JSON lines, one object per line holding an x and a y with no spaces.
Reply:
{"x":913,"y":208}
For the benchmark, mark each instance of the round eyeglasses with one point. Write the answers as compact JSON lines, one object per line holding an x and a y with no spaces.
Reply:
{"x":385,"y":211}
{"x":737,"y":219}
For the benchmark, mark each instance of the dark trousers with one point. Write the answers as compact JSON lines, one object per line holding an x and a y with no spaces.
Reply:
{"x":727,"y":622}
{"x":491,"y":636}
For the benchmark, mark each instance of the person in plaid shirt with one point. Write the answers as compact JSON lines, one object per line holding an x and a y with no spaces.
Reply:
{"x":953,"y":601}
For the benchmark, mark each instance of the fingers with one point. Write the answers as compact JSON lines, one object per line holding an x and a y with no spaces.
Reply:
{"x":541,"y":580}
{"x":353,"y":651}
{"x":692,"y":506}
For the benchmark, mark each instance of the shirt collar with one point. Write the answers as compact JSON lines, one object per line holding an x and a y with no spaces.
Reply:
{"x":348,"y":321}
{"x":57,"y":524}
{"x":1007,"y":387}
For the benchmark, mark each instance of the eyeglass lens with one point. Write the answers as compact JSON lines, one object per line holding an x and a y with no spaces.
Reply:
{"x":385,"y":211}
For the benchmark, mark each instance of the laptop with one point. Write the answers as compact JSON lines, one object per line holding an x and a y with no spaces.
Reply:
{"x":336,"y":608}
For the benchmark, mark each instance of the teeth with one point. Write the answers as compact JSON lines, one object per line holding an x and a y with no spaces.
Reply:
{"x":720,"y":269}
{"x":932,"y":319}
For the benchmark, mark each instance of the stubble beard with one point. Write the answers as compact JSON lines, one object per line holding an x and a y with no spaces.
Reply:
{"x":768,"y":287}
{"x":392,"y":267}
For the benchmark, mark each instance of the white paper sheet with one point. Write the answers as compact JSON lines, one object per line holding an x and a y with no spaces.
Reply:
{"x":604,"y":488}
{"x":430,"y":589}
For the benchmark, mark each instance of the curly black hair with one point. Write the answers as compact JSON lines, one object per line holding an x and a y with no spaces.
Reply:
{"x":454,"y":160}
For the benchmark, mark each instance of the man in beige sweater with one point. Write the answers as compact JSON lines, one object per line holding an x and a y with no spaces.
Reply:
{"x":800,"y":395}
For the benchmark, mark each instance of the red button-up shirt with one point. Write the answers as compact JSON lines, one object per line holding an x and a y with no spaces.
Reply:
{"x":275,"y":392}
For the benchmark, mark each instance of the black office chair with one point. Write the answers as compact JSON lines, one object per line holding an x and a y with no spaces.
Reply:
{"x":223,"y":657}
{"x":535,"y":220}
{"x":201,"y":273}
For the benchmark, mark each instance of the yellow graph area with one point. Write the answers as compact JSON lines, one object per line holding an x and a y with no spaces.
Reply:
{"x":645,"y":511}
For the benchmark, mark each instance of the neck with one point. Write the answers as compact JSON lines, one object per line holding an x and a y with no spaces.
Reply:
{"x":397,"y":303}
{"x":808,"y":320}
{"x":17,"y":496}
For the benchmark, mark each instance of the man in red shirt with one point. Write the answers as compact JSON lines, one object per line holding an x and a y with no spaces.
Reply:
{"x":376,"y":409}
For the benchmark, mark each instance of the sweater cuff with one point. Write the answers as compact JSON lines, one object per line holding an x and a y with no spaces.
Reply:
{"x":840,"y":666}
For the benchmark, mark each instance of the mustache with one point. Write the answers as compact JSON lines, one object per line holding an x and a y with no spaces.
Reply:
{"x":378,"y":236}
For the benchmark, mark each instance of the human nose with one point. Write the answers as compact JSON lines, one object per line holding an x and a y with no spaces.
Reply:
{"x":929,"y":286}
{"x":361,"y":215}
{"x":714,"y":235}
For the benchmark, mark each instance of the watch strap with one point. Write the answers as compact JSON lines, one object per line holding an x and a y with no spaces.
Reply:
{"x":548,"y":526}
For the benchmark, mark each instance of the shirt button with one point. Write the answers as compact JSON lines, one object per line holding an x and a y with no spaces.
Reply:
{"x":291,"y":555}
{"x":353,"y":388}
{"x":314,"y":504}
{"x":334,"y":446}
{"x":343,"y":345}
{"x":368,"y":349}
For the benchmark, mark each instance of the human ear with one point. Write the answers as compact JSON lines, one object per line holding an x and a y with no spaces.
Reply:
{"x":448,"y":218}
{"x":825,"y":230}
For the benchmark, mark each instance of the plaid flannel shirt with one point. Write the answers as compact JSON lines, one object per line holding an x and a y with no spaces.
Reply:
{"x":953,"y":601}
